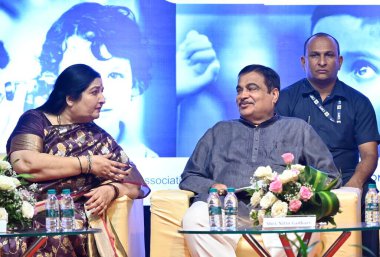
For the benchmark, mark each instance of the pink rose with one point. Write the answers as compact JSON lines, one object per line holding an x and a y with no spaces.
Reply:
{"x":288,"y":158}
{"x":294,"y":205}
{"x":305,"y":193}
{"x":276,"y":186}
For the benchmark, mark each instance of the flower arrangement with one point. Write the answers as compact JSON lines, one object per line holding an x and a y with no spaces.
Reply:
{"x":16,"y":198}
{"x":298,"y":190}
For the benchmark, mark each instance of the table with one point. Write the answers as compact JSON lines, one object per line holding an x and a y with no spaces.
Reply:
{"x":42,"y":236}
{"x":248,"y":233}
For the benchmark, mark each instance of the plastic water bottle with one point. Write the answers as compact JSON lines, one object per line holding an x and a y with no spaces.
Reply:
{"x":230,"y":210}
{"x":52,"y":211}
{"x":214,"y":210}
{"x":67,"y":211}
{"x":372,"y":206}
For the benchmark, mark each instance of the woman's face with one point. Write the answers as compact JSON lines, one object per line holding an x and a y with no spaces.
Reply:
{"x":88,"y":106}
{"x":116,"y":74}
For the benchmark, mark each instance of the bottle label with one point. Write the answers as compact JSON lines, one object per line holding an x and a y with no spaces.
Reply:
{"x":372,"y":207}
{"x":51,"y":213}
{"x":67,"y":213}
{"x":214,"y":210}
{"x":230,"y":211}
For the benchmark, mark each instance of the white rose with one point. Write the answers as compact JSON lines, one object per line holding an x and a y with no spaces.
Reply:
{"x":27,"y":210}
{"x":298,"y":167}
{"x":7,"y":183}
{"x":4,"y":165}
{"x":16,"y":182}
{"x":255,"y":198}
{"x":3,"y":214}
{"x":260,"y":216}
{"x":288,"y":176}
{"x":279,"y":209}
{"x":268,"y":199}
{"x":264,"y":173}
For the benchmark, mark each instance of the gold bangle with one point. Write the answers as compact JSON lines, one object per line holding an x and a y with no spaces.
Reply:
{"x":115,"y":189}
{"x":89,"y":164}
{"x":80,"y":165}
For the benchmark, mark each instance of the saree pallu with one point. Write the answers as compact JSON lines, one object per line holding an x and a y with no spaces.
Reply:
{"x":35,"y":132}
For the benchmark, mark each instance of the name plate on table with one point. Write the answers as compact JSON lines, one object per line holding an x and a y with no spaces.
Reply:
{"x":290,"y":221}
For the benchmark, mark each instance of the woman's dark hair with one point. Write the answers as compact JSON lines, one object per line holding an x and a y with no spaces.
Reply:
{"x":71,"y":82}
{"x":111,"y":26}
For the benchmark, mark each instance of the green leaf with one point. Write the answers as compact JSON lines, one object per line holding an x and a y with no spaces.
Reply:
{"x":328,"y":203}
{"x":250,"y":191}
{"x":303,"y":248}
{"x":316,"y":178}
{"x":24,"y":175}
{"x":365,"y":249}
{"x":332,"y":184}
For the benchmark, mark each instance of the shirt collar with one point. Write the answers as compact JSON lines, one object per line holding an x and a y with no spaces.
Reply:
{"x":263,"y":124}
{"x":338,"y":90}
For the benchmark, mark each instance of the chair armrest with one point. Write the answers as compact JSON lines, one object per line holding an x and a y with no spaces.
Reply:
{"x":349,"y":199}
{"x":114,"y":225}
{"x":167,"y":208}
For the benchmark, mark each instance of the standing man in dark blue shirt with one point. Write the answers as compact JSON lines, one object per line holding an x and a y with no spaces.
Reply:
{"x":343,"y":117}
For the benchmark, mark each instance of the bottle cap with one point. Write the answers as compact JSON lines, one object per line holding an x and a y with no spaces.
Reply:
{"x":51,"y":192}
{"x":66,"y":191}
{"x":231,"y":189}
{"x":213,"y":190}
{"x":371,"y":185}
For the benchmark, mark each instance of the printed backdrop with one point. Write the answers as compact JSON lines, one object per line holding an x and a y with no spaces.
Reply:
{"x":194,"y":52}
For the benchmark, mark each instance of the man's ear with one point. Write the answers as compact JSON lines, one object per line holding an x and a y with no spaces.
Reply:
{"x":340,"y":61}
{"x":303,"y":61}
{"x":276,"y":94}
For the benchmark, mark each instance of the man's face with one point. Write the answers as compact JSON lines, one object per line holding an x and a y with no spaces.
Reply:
{"x":321,"y":61}
{"x":253,"y":100}
{"x":116,"y":75}
{"x":361,"y":52}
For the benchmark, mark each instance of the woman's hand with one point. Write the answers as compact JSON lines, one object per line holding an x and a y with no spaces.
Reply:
{"x":99,"y":199}
{"x":102,"y":166}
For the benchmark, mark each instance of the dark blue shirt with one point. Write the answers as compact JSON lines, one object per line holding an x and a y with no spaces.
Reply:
{"x":358,"y":120}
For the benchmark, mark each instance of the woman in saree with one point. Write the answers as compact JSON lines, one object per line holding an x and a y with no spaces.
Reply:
{"x":60,"y":146}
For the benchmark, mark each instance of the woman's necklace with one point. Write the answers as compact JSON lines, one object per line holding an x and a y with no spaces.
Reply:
{"x":59,"y":119}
